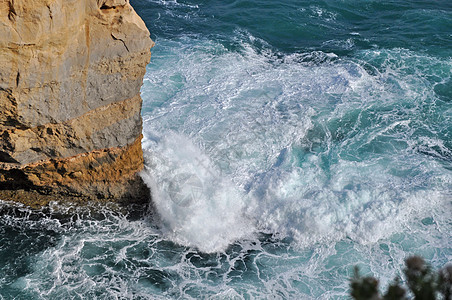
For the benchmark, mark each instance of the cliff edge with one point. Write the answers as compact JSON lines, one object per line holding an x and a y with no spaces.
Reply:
{"x":70,"y":78}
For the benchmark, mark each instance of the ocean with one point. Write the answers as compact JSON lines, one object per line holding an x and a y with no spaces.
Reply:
{"x":285,"y":142}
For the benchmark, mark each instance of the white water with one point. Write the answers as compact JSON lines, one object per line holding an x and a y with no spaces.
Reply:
{"x":223,"y":143}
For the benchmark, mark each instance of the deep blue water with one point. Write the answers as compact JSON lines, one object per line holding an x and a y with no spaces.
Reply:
{"x":285,"y":142}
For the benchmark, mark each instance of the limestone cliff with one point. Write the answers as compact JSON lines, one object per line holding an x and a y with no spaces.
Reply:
{"x":70,"y":77}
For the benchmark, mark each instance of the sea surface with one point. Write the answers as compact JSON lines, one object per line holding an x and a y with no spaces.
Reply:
{"x":285,"y":142}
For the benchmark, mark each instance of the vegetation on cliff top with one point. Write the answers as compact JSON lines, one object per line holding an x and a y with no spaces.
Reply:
{"x":423,"y":283}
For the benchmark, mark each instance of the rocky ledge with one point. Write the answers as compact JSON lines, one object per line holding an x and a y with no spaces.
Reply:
{"x":70,"y":78}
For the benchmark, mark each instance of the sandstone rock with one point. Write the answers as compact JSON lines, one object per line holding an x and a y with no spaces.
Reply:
{"x":70,"y":77}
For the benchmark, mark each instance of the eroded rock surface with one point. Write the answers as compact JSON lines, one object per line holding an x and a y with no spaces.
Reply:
{"x":70,"y":77}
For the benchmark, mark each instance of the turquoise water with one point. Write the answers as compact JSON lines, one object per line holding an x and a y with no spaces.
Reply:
{"x":285,"y":142}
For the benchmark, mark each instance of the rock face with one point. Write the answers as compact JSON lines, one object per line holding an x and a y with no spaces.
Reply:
{"x":70,"y":78}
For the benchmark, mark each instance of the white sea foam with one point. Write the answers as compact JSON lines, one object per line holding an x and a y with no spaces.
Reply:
{"x":224,"y":130}
{"x":198,"y":205}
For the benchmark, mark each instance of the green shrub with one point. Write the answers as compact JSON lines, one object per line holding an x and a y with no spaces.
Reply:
{"x":422,"y":282}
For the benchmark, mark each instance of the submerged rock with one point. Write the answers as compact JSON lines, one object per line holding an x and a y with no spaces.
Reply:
{"x":70,"y":79}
